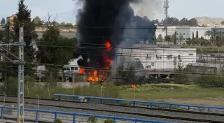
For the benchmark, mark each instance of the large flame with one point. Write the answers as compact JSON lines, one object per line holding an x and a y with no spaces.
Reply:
{"x":81,"y":71}
{"x":95,"y":76}
{"x":108,"y":45}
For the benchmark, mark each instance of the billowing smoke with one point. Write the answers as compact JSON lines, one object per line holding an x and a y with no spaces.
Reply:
{"x":152,"y":9}
{"x":103,"y":25}
{"x":143,"y":32}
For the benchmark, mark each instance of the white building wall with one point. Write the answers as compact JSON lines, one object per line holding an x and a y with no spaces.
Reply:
{"x":160,"y":59}
{"x":201,"y":32}
{"x":183,"y":33}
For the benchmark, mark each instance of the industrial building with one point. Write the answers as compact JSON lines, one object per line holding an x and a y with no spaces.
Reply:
{"x":183,"y":33}
{"x":157,"y":59}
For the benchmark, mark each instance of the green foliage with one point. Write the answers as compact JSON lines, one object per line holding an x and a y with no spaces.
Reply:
{"x":67,"y":25}
{"x":11,"y":86}
{"x":1,"y":35}
{"x":222,"y":22}
{"x":181,"y":78}
{"x":92,"y":119}
{"x":160,"y":38}
{"x":168,"y":38}
{"x":37,"y":21}
{"x":199,"y":42}
{"x":58,"y":121}
{"x":172,"y":21}
{"x":24,"y":18}
{"x":93,"y":90}
{"x":211,"y":81}
{"x":29,"y":83}
{"x":127,"y":74}
{"x":3,"y":21}
{"x":54,"y":49}
{"x":109,"y":121}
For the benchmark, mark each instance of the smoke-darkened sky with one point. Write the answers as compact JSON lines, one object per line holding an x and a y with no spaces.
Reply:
{"x":64,"y":10}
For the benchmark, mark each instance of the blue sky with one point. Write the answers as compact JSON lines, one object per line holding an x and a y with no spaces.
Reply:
{"x":64,"y":10}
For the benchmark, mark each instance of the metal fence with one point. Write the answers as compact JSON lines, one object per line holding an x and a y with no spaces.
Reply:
{"x":36,"y":116}
{"x":140,"y":104}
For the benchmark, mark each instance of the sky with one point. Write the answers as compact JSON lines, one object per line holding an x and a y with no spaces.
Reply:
{"x":65,"y":10}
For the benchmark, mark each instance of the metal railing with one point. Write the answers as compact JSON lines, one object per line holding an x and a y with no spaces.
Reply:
{"x":140,"y":104}
{"x":36,"y":116}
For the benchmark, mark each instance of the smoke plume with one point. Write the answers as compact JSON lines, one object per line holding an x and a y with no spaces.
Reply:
{"x":102,"y":28}
{"x":152,"y":9}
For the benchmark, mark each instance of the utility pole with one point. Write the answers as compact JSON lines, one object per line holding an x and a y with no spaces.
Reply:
{"x":20,"y":100}
{"x":166,"y":7}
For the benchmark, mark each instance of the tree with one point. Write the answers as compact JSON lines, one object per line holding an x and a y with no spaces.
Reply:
{"x":3,"y":22}
{"x":23,"y":18}
{"x":174,"y":38}
{"x":222,"y":22}
{"x":55,"y":49}
{"x":183,"y":22}
{"x":37,"y":21}
{"x":168,"y":38}
{"x":171,"y":21}
{"x":160,"y":38}
{"x":1,"y":35}
{"x":193,"y":22}
{"x":127,"y":74}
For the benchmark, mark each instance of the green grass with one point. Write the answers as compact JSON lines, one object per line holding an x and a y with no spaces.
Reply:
{"x":93,"y":90}
{"x":174,"y":92}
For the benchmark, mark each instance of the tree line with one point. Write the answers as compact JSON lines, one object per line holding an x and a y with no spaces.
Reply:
{"x":51,"y":49}
{"x":173,"y":21}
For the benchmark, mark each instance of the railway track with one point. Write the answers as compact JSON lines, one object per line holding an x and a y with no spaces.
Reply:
{"x":155,"y":114}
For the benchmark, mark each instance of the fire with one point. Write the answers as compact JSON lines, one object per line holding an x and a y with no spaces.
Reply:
{"x":108,"y":45}
{"x":96,"y":76}
{"x":108,"y":62}
{"x":93,"y":77}
{"x":81,"y":71}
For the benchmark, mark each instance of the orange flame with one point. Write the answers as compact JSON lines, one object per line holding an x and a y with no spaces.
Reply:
{"x":93,"y":77}
{"x":108,"y":45}
{"x":81,"y":71}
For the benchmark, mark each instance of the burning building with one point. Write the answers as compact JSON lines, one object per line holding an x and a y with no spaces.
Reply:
{"x":103,"y":26}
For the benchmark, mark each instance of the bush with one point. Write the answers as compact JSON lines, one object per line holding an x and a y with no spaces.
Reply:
{"x":211,"y":81}
{"x":92,"y":119}
{"x":109,"y":121}
{"x":58,"y":121}
{"x":181,"y":78}
{"x":11,"y":86}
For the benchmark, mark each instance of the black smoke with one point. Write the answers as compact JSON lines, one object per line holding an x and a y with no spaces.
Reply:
{"x":101,"y":21}
{"x":143,"y":32}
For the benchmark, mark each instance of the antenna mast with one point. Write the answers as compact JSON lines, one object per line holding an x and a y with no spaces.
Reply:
{"x":166,"y":7}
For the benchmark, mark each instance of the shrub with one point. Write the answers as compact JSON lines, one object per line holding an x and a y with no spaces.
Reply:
{"x":181,"y":78}
{"x":58,"y":121}
{"x":109,"y":121}
{"x":11,"y":86}
{"x":92,"y":119}
{"x":210,"y":81}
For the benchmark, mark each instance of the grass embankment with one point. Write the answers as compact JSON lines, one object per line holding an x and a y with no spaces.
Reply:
{"x":165,"y":92}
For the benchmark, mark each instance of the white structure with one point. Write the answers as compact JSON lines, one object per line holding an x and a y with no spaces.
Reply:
{"x":158,"y":59}
{"x":72,"y":67}
{"x":183,"y":33}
